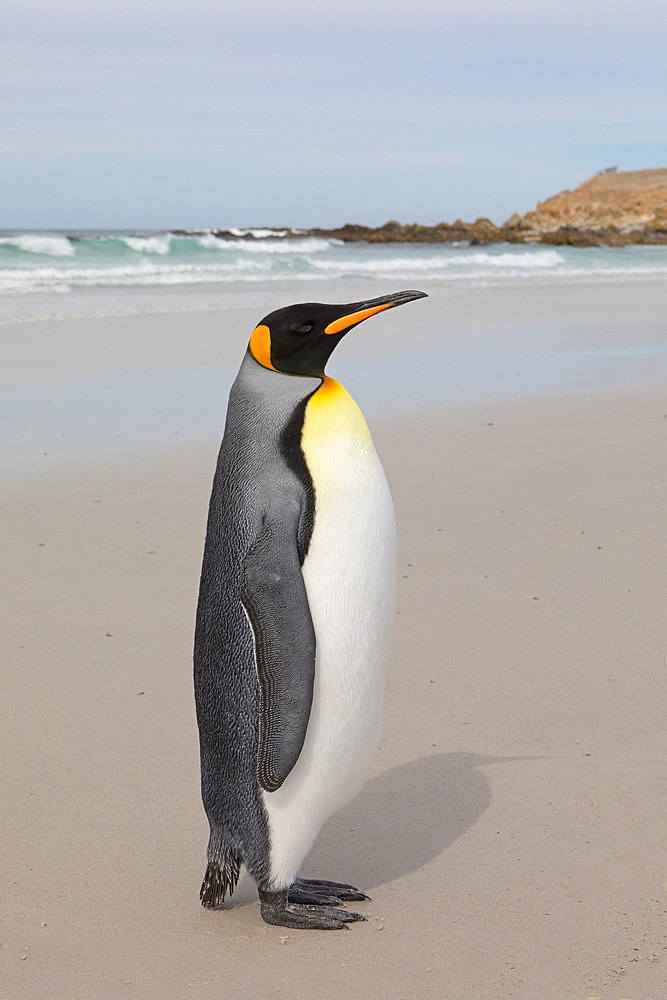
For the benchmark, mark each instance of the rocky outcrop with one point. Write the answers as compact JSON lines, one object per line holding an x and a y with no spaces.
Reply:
{"x":480,"y":232}
{"x":612,"y":209}
{"x":621,"y":203}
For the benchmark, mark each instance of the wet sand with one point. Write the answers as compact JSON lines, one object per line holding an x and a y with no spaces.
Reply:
{"x":511,"y":835}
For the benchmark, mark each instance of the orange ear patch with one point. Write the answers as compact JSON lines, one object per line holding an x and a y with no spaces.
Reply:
{"x":260,"y":346}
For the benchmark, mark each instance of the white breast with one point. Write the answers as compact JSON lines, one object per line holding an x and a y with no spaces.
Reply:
{"x":349,"y":574}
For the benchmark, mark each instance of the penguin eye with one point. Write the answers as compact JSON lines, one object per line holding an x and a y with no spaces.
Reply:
{"x":301,"y":331}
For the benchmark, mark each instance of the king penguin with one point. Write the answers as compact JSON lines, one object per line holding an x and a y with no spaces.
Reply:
{"x":295,"y":614}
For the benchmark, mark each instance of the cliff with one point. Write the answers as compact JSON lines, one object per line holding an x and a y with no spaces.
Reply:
{"x":630,"y":206}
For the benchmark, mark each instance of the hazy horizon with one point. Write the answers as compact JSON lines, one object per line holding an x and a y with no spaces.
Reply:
{"x":252,"y":228}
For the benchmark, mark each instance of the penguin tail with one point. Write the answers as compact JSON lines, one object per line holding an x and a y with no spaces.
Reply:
{"x":222,"y":874}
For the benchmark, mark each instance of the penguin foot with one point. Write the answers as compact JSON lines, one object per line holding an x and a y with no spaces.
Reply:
{"x":322,"y":892}
{"x":276,"y":908}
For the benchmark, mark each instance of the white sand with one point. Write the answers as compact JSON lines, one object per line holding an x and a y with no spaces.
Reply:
{"x":512,"y":834}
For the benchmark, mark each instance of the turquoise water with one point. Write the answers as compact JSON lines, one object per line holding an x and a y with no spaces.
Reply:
{"x":58,"y":274}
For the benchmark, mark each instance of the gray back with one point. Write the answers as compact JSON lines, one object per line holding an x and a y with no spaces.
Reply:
{"x":260,"y":464}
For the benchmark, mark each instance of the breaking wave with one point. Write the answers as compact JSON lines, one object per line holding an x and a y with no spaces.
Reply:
{"x":36,"y":243}
{"x":159,"y":244}
{"x":110,"y":265}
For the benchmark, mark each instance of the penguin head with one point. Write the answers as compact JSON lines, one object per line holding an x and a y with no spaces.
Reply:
{"x":298,"y":340}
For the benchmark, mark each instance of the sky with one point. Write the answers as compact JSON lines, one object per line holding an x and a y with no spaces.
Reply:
{"x":150,"y":114}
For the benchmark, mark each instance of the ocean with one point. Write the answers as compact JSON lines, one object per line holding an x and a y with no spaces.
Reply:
{"x":58,"y":275}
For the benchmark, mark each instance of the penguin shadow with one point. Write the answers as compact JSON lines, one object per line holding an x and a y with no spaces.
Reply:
{"x":402,"y":819}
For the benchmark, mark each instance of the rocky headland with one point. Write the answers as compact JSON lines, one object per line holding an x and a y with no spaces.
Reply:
{"x":612,"y":209}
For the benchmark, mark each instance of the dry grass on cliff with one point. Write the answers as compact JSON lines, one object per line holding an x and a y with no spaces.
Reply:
{"x":626,"y":201}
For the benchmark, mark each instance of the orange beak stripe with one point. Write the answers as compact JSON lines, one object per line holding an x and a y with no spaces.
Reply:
{"x":344,"y":322}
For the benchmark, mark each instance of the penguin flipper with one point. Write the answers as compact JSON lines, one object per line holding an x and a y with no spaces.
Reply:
{"x":274,"y":597}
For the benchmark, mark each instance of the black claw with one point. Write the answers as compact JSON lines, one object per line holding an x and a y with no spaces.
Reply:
{"x":326,"y":881}
{"x":296,"y":894}
{"x":350,"y":917}
{"x":277,"y":908}
{"x":313,"y":887}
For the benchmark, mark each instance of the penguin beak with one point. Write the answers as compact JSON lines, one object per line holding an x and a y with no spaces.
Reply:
{"x":356,"y":312}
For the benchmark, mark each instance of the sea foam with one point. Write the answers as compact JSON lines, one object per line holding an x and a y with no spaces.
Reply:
{"x":259,"y":234}
{"x":158,"y":244}
{"x":51,"y":246}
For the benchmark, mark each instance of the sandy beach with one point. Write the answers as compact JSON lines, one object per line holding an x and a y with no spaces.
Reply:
{"x":512,"y":834}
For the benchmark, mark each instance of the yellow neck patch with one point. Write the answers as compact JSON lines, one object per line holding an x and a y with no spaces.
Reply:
{"x":260,"y":346}
{"x":331,"y":412}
